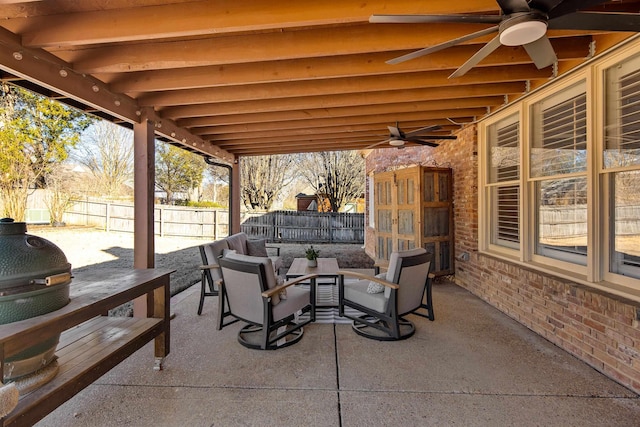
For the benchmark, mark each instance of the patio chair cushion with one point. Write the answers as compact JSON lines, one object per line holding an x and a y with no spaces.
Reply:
{"x":238,"y":242}
{"x":393,"y":272}
{"x":257,"y":247}
{"x":272,"y":282}
{"x":296,"y":300}
{"x":357,"y":292}
{"x":375,"y":288}
{"x":213,"y":251}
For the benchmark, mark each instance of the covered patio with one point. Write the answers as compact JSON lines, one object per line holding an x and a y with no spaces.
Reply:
{"x":234,"y":78}
{"x":472,"y":366}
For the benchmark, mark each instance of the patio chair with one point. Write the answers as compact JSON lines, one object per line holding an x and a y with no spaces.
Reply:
{"x":402,"y":291}
{"x":250,"y":288}
{"x":211,"y":278}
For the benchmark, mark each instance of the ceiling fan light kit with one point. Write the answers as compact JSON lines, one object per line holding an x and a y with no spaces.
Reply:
{"x":521,"y":33}
{"x":396,"y":142}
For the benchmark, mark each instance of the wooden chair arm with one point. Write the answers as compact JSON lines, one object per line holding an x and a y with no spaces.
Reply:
{"x":209,"y":267}
{"x":363,"y":276}
{"x":271,"y":292}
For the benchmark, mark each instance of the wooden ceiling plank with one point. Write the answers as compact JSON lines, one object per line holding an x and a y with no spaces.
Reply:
{"x":316,"y":42}
{"x":325,"y":67}
{"x":230,"y":112}
{"x":341,"y":86}
{"x":377,"y":129}
{"x":321,"y":113}
{"x":211,"y":18}
{"x":391,"y":118}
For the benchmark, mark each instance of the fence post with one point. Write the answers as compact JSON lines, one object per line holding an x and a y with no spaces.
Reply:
{"x":161,"y":225}
{"x":107,"y":217}
{"x":330,"y":227}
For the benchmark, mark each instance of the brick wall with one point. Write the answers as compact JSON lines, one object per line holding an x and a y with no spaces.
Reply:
{"x":599,"y":328}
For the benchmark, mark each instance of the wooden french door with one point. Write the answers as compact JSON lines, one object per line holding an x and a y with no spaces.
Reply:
{"x":396,"y":211}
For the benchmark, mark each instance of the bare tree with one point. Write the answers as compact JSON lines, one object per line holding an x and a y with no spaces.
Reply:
{"x":216,"y":183}
{"x":263,"y":178}
{"x":107,"y":151}
{"x":337,"y":176}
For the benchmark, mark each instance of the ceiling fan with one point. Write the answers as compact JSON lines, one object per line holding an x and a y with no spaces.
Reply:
{"x":398,"y":138}
{"x":521,"y":23}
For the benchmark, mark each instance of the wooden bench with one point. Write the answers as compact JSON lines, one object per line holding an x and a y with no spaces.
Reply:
{"x":91,"y":343}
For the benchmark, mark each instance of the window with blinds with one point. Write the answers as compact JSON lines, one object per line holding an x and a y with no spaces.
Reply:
{"x":622,"y":150}
{"x":622,"y":115}
{"x":504,"y":175}
{"x":559,"y":134}
{"x":559,"y":148}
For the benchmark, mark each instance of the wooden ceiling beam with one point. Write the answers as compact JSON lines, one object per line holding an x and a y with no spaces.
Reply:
{"x":315,"y":42}
{"x":375,"y":130}
{"x":212,"y":18}
{"x":250,"y":111}
{"x":378,"y":119}
{"x":370,"y":136}
{"x":289,"y":118}
{"x":327,"y":67}
{"x":341,"y":86}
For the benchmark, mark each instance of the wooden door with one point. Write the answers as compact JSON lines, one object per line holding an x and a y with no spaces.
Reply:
{"x":407,"y":209}
{"x":384,"y":214}
{"x":437,"y":212}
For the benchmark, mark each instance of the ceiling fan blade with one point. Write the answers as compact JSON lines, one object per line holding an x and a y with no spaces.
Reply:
{"x":436,"y":137}
{"x":376,"y":144}
{"x":479,"y":56}
{"x":513,"y":6}
{"x":434,"y":19}
{"x":421,"y":130}
{"x":544,"y":5}
{"x":571,"y":6}
{"x":395,"y":132}
{"x":541,"y":52}
{"x":441,"y":46}
{"x":423,"y":142}
{"x":598,"y":21}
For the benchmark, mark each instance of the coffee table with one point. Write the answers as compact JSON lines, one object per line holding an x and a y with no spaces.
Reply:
{"x":327,"y":268}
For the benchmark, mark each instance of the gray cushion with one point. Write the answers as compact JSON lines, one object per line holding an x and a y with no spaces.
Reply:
{"x":257,"y":247}
{"x":213,"y":251}
{"x":394,"y":265}
{"x":238,"y":242}
{"x":374,"y":287}
{"x":297,"y":299}
{"x":357,"y":292}
{"x":271,"y":278}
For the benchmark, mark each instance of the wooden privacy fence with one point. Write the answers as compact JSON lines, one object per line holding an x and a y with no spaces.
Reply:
{"x":302,"y":226}
{"x":278,"y":226}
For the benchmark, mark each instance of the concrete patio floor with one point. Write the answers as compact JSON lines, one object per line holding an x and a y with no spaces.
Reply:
{"x":473,"y":366}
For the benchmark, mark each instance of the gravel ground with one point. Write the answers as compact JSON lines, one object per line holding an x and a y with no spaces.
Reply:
{"x":91,"y":251}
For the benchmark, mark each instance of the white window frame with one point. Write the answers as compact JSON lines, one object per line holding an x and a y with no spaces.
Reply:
{"x":596,"y":273}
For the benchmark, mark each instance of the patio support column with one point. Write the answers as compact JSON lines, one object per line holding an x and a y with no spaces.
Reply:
{"x":235,"y":197}
{"x":144,"y":184}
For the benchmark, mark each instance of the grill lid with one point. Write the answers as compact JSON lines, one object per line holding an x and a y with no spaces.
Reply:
{"x":26,"y":259}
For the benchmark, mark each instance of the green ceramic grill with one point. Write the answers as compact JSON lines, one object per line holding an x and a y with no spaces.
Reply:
{"x":34,"y":280}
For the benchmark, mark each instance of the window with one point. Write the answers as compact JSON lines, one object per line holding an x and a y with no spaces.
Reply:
{"x":558,"y":159}
{"x":621,"y":165}
{"x":560,"y":176}
{"x":503,"y":178}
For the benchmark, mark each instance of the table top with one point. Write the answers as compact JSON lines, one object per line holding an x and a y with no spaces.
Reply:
{"x":327,"y":267}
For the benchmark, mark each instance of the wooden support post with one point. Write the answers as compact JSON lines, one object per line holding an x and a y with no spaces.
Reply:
{"x":144,"y":184}
{"x":234,"y":219}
